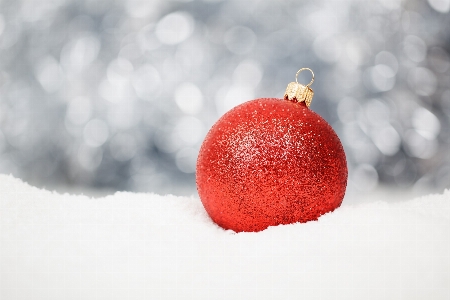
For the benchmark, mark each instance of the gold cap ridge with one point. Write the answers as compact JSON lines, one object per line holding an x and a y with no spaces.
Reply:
{"x":298,"y":92}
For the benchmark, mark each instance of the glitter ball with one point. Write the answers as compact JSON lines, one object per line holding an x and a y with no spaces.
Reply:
{"x":268,"y":162}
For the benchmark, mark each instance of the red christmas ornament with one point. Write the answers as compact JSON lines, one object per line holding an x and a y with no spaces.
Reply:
{"x":271,"y":161}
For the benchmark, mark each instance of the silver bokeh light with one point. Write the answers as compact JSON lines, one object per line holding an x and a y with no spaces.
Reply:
{"x":120,"y":94}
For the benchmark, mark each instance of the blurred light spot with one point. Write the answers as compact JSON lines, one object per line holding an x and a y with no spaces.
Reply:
{"x":124,"y":115}
{"x":442,"y":6}
{"x":365,"y":177}
{"x":388,"y":59}
{"x":142,"y":8}
{"x":348,"y":110}
{"x":31,"y":12}
{"x":415,"y":48}
{"x":2,"y":113}
{"x":439,"y":59}
{"x":146,"y":82}
{"x":227,"y":98}
{"x":320,"y":22}
{"x":123,"y":147}
{"x":186,"y":159}
{"x":49,"y":74}
{"x":10,"y":35}
{"x":327,"y":48}
{"x":215,"y":28}
{"x":366,"y":153}
{"x":380,"y":78}
{"x":2,"y":142}
{"x":412,"y":21}
{"x":445,"y":102}
{"x":189,"y":130}
{"x":89,"y":157}
{"x":357,"y":51}
{"x":387,"y":140}
{"x":248,"y":72}
{"x":79,"y":53}
{"x":82,"y":22}
{"x":391,"y":4}
{"x":16,"y":126}
{"x":426,"y":123}
{"x":147,"y":39}
{"x":363,"y":150}
{"x":95,"y":133}
{"x":172,"y":71}
{"x":419,"y":146}
{"x":116,"y":92}
{"x":240,"y":40}
{"x":189,"y":98}
{"x":2,"y":24}
{"x":353,"y":132}
{"x":423,"y":184}
{"x":79,"y":110}
{"x":422,"y":81}
{"x":119,"y":70}
{"x":131,"y":51}
{"x":95,"y":7}
{"x":191,"y":54}
{"x":175,"y":28}
{"x":349,"y":77}
{"x":377,"y":112}
{"x":4,"y":78}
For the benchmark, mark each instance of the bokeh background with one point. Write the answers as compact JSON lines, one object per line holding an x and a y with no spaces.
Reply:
{"x":118,"y":95}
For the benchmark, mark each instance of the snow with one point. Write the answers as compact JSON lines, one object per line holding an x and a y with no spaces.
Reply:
{"x":146,"y":246}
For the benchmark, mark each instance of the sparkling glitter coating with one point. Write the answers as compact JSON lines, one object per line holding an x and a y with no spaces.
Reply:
{"x":269,"y":162}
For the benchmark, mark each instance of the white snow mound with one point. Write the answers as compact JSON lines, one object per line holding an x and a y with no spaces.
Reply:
{"x":145,"y":246}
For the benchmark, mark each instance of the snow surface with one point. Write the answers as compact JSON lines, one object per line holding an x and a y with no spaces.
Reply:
{"x":145,"y":246}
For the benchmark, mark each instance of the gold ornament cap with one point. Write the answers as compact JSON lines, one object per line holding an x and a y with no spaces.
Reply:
{"x":298,"y":92}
